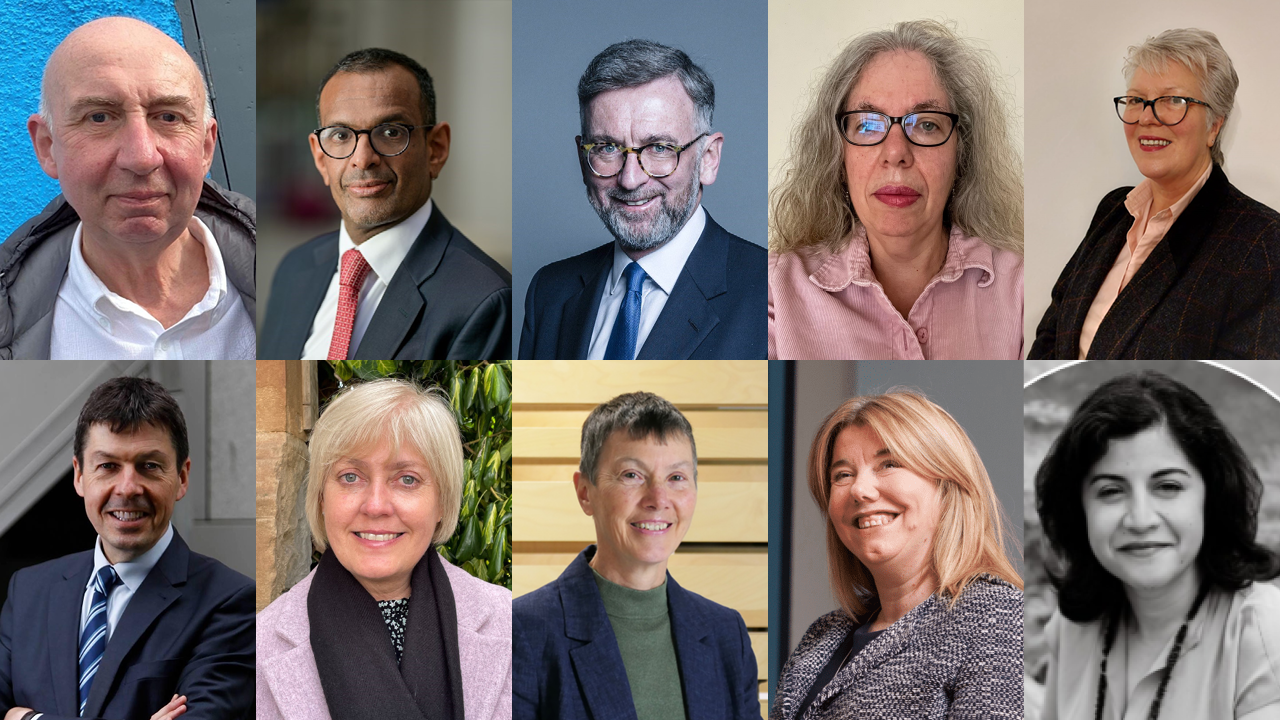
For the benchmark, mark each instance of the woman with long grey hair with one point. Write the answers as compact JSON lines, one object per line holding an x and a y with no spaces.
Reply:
{"x":900,"y":242}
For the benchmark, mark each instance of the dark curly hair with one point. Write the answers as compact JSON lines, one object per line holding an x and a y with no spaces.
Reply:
{"x":1230,"y":558}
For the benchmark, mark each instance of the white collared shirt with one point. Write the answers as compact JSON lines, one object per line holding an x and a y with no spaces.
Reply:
{"x":384,"y":252}
{"x":131,"y":574}
{"x":90,"y":322}
{"x":662,"y":266}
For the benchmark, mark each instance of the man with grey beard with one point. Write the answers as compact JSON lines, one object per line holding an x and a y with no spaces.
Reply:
{"x":673,"y":285}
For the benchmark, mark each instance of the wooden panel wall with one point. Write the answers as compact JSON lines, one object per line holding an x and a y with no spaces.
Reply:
{"x":725,"y":555}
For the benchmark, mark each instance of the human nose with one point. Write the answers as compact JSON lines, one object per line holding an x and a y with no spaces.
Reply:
{"x":1148,"y":115}
{"x":1140,"y":515}
{"x":139,"y":152}
{"x":896,"y":148}
{"x":364,"y":155}
{"x":864,"y":488}
{"x":632,"y":176}
{"x":657,"y":495}
{"x":128,"y":482}
{"x":377,"y":501}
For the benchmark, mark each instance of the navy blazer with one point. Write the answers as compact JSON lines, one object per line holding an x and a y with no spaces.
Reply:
{"x":447,"y":301}
{"x":1209,"y":290}
{"x":718,"y":309}
{"x":568,"y":665}
{"x":189,"y":629}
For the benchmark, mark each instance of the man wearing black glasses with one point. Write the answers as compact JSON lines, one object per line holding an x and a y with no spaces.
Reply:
{"x":396,"y":281}
{"x":674,"y":284}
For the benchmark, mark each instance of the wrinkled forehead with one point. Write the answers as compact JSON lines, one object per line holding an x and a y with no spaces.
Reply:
{"x":658,"y":109}
{"x":120,"y":60}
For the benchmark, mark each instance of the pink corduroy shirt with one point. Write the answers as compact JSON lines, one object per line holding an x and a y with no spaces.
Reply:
{"x":825,"y":305}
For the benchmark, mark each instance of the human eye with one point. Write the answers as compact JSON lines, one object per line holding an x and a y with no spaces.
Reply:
{"x":107,"y":466}
{"x":1108,"y":491}
{"x":660,"y":149}
{"x":841,"y":477}
{"x":99,"y":117}
{"x":869,"y":124}
{"x":391,"y":132}
{"x":631,"y":477}
{"x":606,"y":149}
{"x":152,"y":466}
{"x":409,"y":481}
{"x":1168,"y":488}
{"x":890,"y":464}
{"x":348,"y":478}
{"x":338,"y":134}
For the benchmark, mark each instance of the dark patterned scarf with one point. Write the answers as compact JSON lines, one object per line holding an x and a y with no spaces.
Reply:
{"x":355,"y":657}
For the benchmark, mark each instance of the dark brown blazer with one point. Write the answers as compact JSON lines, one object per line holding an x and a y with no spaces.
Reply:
{"x":1209,"y":290}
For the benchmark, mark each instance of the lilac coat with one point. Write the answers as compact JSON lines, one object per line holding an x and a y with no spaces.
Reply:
{"x":289,"y":684}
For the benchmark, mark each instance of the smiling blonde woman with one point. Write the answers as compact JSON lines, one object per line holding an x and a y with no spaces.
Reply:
{"x":930,"y":624}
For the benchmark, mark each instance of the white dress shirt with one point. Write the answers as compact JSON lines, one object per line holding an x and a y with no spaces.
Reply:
{"x":131,"y":574}
{"x":384,"y":252}
{"x":90,"y":322}
{"x":662,"y":266}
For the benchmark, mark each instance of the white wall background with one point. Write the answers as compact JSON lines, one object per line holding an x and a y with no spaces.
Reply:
{"x":806,"y":35}
{"x":1075,"y":148}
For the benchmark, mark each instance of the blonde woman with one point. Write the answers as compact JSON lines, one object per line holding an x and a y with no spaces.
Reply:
{"x":896,"y":232}
{"x":930,"y":623}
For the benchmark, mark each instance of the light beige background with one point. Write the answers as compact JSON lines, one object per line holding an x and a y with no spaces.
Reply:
{"x":1075,"y":147}
{"x":806,"y":35}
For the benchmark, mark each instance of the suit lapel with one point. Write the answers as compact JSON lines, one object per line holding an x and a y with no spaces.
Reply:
{"x":475,"y":649}
{"x":689,"y":630}
{"x":1096,"y":266}
{"x":688,"y":318}
{"x":291,"y":675}
{"x":311,"y":286}
{"x":573,"y":341}
{"x":65,"y":602}
{"x":1159,"y":272}
{"x":159,"y":590}
{"x":403,"y":305}
{"x":597,"y":662}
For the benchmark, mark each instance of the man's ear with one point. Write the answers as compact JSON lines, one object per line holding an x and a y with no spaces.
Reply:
{"x":438,"y":147}
{"x":77,"y":475}
{"x":319,"y":157}
{"x":582,"y":486}
{"x":184,"y":473}
{"x":711,"y":159}
{"x":42,"y":141}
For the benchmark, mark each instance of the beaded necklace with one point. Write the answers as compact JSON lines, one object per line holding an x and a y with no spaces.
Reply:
{"x":1113,"y":627}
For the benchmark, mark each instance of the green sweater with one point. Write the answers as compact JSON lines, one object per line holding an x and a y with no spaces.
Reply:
{"x":642,"y":625}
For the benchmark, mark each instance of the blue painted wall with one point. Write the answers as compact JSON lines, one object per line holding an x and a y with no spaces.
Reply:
{"x":29,"y":31}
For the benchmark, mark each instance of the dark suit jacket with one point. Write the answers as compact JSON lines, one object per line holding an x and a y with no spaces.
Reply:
{"x":448,"y":300}
{"x":189,"y":629}
{"x":1210,"y":289}
{"x":568,"y":665}
{"x":718,"y":309}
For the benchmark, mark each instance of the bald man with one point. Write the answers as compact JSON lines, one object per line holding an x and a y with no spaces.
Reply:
{"x":140,"y":257}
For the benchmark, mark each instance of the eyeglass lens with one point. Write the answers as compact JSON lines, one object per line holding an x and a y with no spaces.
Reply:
{"x":869,"y":128}
{"x":658,"y":160}
{"x":1168,"y":110}
{"x":388,"y":139}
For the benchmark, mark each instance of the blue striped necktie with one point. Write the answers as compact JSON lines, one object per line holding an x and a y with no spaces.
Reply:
{"x":93,"y":641}
{"x":626,"y":329}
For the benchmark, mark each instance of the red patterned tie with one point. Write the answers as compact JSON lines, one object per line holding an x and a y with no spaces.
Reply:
{"x":354,"y":268}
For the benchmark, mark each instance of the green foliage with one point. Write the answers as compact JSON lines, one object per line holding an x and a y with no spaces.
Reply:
{"x":480,"y":395}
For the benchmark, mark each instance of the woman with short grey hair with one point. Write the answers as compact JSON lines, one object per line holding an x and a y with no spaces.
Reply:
{"x":1183,"y":265}
{"x":900,"y":243}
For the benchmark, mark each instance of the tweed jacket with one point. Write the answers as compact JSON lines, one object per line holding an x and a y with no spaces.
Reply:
{"x":1209,"y":290}
{"x":933,"y":663}
{"x":289,"y":683}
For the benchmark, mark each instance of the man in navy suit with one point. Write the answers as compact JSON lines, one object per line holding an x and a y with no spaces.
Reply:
{"x":140,"y":626}
{"x":674,"y":284}
{"x":397,"y":281}
{"x":615,"y":636}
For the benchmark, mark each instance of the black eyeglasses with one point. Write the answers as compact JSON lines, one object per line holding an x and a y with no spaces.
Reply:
{"x":1167,"y":109}
{"x":657,"y":160}
{"x":926,"y":129}
{"x":388,"y":139}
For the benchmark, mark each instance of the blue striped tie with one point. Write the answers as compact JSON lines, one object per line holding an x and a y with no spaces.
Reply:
{"x":626,"y":328}
{"x":93,"y":641}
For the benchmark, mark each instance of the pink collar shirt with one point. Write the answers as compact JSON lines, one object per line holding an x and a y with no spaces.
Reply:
{"x":829,"y":305}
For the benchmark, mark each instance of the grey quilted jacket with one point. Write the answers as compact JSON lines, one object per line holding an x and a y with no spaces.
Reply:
{"x":958,"y":663}
{"x":34,"y":260}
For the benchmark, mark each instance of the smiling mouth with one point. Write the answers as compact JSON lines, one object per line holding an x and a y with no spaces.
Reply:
{"x":378,"y":537}
{"x":127,"y":515}
{"x":652,"y":526}
{"x":875,"y":520}
{"x":1150,"y":143}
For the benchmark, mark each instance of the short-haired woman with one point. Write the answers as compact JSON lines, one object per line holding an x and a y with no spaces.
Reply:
{"x":384,"y":627}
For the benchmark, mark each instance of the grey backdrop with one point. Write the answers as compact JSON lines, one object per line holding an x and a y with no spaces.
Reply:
{"x":551,"y":46}
{"x":985,"y":397}
{"x":1248,"y":410}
